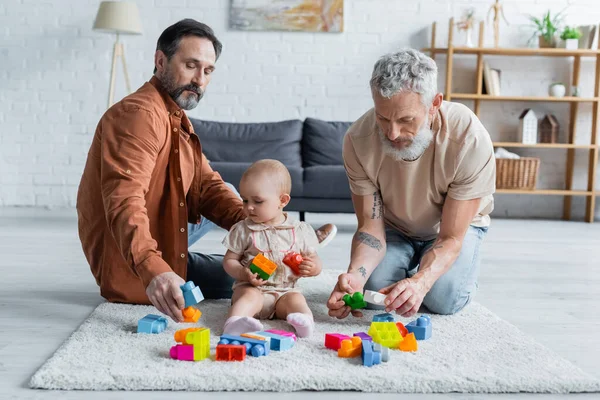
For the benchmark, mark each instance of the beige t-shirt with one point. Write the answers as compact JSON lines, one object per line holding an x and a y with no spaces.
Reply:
{"x":248,"y":239}
{"x":459,"y":163}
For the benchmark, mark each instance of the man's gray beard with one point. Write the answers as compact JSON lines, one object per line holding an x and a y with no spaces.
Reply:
{"x":420,"y":143}
{"x":177,"y":92}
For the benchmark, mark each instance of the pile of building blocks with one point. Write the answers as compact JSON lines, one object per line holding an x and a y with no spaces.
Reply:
{"x":293,"y":260}
{"x":384,"y":334}
{"x":192,"y":295}
{"x":194,"y":344}
{"x":152,"y":324}
{"x":262,"y":266}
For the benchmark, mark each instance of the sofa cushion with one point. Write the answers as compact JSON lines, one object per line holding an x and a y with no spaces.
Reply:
{"x":231,"y":172}
{"x":237,"y":142}
{"x":326,"y":181}
{"x":322,"y":142}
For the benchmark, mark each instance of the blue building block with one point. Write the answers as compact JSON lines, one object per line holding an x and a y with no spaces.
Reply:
{"x":152,"y":324}
{"x":278,"y":342}
{"x":254,"y":347}
{"x":421,"y":327}
{"x":191,"y":294}
{"x":385,"y":317}
{"x":369,"y":357}
{"x":385,"y":351}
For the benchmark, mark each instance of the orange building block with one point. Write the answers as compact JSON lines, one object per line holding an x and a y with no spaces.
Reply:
{"x":350,"y":347}
{"x":181,"y":334}
{"x":230,"y":352}
{"x":191,"y":314}
{"x":402,"y":329}
{"x":262,"y":266}
{"x":293,"y":260}
{"x":409,"y":343}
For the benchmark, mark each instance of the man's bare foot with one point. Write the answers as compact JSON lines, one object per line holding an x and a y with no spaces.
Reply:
{"x":325,"y":234}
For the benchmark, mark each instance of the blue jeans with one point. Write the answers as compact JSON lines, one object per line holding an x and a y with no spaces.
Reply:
{"x":452,"y":291}
{"x":206,"y":270}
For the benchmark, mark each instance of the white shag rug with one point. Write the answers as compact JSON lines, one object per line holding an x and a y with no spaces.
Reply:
{"x":474,"y":352}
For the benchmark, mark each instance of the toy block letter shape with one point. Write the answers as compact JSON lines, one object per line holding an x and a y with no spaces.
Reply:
{"x":369,"y":357}
{"x":363,"y":336}
{"x":191,"y":314}
{"x":385,"y":317}
{"x":183,"y":352}
{"x":355,"y":301}
{"x":262,"y":266}
{"x":152,"y":323}
{"x":421,"y":327}
{"x":385,"y":352}
{"x":409,"y":343}
{"x":333,"y":341}
{"x":278,"y":342}
{"x":254,"y":347}
{"x":293,"y":260}
{"x":385,"y":333}
{"x":374,"y":297}
{"x":350,"y":347}
{"x":191,"y":294}
{"x":230,"y":352}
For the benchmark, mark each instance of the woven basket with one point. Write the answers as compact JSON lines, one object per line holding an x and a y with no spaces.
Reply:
{"x":517,"y":174}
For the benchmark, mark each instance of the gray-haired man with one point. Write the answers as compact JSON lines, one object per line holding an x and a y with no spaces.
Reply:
{"x":422,"y":175}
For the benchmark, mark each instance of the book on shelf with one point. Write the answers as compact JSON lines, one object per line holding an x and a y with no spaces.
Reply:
{"x":491,"y":80}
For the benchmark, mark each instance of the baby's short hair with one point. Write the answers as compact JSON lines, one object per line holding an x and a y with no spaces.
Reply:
{"x":277,"y":173}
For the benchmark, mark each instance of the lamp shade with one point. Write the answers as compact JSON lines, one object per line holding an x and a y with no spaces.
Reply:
{"x":119,"y":17}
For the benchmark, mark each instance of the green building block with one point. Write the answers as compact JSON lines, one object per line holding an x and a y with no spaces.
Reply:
{"x":262,"y":274}
{"x":355,"y":301}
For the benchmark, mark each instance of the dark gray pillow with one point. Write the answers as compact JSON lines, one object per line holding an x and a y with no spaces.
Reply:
{"x":249,"y":142}
{"x":322,"y":142}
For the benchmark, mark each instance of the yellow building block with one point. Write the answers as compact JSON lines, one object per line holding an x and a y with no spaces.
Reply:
{"x":386,"y":334}
{"x":350,"y":347}
{"x":201,"y":341}
{"x":180,"y":335}
{"x":409,"y":343}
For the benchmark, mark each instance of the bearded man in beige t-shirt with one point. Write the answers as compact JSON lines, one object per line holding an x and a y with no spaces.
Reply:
{"x":422,"y":174}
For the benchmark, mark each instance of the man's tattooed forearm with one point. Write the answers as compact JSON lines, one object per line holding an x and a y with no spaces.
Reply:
{"x":377,"y":211}
{"x":363,"y":271}
{"x":369,"y":240}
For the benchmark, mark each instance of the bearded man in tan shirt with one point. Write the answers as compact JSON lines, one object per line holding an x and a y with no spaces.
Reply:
{"x":422,"y":175}
{"x":148,"y":192}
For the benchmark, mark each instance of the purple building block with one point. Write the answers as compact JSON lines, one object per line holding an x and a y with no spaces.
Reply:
{"x":363,"y":336}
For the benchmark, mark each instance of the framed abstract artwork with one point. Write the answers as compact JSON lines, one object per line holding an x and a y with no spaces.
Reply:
{"x":287,"y":15}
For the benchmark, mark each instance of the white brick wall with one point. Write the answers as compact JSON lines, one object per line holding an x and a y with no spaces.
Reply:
{"x":55,"y":69}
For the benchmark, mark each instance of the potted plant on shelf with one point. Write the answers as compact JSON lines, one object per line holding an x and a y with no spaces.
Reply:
{"x":546,"y":29}
{"x":557,"y":89}
{"x":466,"y":25}
{"x":570,"y":38}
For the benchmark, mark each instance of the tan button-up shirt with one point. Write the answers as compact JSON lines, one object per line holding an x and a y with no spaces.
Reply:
{"x":144,"y":179}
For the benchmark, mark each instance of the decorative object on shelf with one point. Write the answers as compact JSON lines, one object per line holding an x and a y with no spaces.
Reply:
{"x":287,"y":15}
{"x":118,"y":17}
{"x":549,"y":128}
{"x":466,"y":25}
{"x":517,"y":174}
{"x":498,"y":11}
{"x":491,"y":80}
{"x":589,"y":36}
{"x":570,"y":38}
{"x":528,"y":127}
{"x":545,"y":29}
{"x":575,"y":91}
{"x":557,"y":89}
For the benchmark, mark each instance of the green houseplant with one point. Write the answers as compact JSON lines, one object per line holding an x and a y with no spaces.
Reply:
{"x":545,"y":29}
{"x":570,"y":38}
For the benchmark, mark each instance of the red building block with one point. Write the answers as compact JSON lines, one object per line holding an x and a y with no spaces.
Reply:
{"x":230,"y":352}
{"x":402,"y":329}
{"x":333,"y":341}
{"x":293,"y":260}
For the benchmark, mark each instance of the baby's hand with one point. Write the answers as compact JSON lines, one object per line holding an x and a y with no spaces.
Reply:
{"x":310,"y":265}
{"x":253,"y":278}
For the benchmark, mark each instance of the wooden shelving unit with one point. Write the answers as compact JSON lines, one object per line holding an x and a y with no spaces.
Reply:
{"x":573,"y":102}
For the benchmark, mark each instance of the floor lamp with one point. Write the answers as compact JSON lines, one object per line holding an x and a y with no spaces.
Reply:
{"x":121,"y":18}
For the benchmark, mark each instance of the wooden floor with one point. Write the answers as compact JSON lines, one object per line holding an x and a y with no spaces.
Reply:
{"x":542,"y":276}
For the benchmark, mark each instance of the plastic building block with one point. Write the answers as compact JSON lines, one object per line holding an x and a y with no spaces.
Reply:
{"x":374,"y":297}
{"x":369,"y":357}
{"x":278,"y":342}
{"x":355,"y":301}
{"x":385,"y":352}
{"x":385,"y":317}
{"x":282,"y":333}
{"x":184,"y":352}
{"x":385,"y":333}
{"x":421,"y":327}
{"x":199,"y":338}
{"x":230,"y":352}
{"x":293,"y":260}
{"x":262,"y":266}
{"x":402,"y":328}
{"x":180,"y":336}
{"x":152,"y":323}
{"x":363,"y":336}
{"x":350,"y":347}
{"x":255,"y":335}
{"x":191,"y":294}
{"x":333,"y":341}
{"x":191,"y":314}
{"x":409,"y":343}
{"x":254,"y":347}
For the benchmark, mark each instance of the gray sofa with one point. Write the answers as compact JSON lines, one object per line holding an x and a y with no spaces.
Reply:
{"x":310,"y":149}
